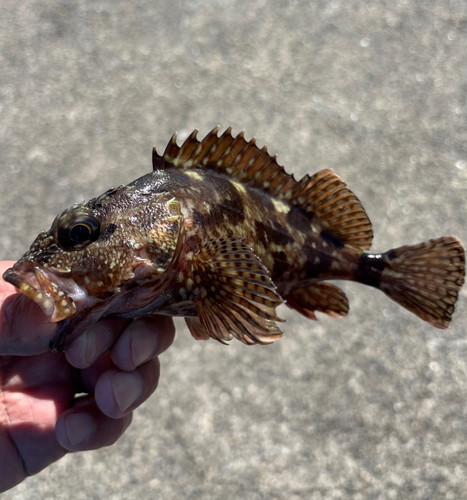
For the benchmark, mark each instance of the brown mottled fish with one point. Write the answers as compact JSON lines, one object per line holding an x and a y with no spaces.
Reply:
{"x":221,"y":234}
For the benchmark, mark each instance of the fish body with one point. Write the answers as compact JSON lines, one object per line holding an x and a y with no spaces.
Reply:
{"x":219,"y":233}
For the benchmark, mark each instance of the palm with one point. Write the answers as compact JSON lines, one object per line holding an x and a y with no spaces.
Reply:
{"x":35,"y":391}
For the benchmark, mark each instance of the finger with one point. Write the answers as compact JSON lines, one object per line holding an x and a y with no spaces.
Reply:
{"x":24,"y":330}
{"x":85,"y":427}
{"x":87,"y":348}
{"x":144,"y":339}
{"x":118,"y":393}
{"x":88,"y":377}
{"x":4,"y":286}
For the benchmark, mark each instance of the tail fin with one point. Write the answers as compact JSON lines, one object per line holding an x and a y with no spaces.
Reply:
{"x":426,"y":278}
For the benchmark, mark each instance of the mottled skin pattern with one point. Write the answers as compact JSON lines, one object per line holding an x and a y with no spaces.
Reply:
{"x":219,"y":232}
{"x":291,"y":247}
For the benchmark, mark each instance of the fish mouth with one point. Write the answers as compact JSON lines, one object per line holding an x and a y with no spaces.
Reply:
{"x":42,"y":286}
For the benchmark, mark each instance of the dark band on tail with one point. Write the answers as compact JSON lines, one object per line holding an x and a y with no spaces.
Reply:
{"x":370,"y":269}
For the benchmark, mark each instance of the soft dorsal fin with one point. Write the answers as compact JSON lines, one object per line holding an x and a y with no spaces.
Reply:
{"x":324,"y":195}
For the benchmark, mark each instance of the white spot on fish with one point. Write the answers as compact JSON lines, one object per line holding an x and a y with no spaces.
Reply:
{"x":239,"y":187}
{"x":194,"y":175}
{"x":280,"y":206}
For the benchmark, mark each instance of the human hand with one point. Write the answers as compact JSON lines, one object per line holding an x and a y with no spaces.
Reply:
{"x":41,"y":419}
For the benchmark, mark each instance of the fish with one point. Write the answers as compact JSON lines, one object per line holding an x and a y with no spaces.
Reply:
{"x":221,"y":234}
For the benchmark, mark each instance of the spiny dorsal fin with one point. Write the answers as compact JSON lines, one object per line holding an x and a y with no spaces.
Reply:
{"x":324,"y":194}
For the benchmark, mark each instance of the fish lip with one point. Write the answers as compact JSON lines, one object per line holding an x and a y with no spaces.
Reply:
{"x":40,"y":285}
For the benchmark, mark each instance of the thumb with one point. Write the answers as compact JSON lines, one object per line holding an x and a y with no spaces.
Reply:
{"x":24,"y":330}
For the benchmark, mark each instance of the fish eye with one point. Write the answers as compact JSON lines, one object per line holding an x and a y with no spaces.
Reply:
{"x":78,"y":231}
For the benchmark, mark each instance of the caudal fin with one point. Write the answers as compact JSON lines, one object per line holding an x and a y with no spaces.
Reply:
{"x":426,"y":278}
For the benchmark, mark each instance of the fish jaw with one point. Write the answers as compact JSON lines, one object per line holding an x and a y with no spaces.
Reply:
{"x":44,"y":288}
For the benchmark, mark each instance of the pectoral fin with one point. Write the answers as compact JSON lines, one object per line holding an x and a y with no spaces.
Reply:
{"x":237,"y":297}
{"x":197,"y":329}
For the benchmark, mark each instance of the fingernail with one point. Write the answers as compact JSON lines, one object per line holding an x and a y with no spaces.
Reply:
{"x":127,"y":388}
{"x":143,"y":343}
{"x":95,"y":341}
{"x":79,"y":427}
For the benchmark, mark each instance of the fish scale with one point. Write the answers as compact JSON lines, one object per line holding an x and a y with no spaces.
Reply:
{"x":220,"y":233}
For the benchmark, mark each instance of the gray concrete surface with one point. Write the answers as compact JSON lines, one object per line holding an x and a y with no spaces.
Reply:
{"x":369,"y":407}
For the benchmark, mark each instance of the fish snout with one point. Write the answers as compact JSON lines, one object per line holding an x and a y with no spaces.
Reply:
{"x":37,"y":284}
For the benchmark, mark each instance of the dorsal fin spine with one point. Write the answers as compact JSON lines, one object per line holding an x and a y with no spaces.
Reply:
{"x":275,"y":175}
{"x":241,"y":157}
{"x":205,"y":146}
{"x":255,"y":164}
{"x":156,"y":159}
{"x":190,"y":143}
{"x":272,"y":174}
{"x":171,"y":146}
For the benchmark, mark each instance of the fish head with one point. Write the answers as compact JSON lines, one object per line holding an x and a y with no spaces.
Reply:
{"x":96,"y":250}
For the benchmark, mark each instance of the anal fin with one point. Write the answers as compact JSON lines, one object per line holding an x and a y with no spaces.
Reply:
{"x":236,"y":295}
{"x":322,"y":297}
